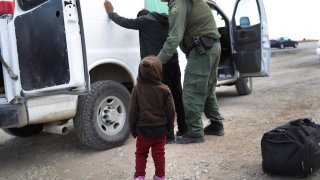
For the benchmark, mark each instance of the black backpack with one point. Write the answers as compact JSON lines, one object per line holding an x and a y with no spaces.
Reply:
{"x":292,"y":149}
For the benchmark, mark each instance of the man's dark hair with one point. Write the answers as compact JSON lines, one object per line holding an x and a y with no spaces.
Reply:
{"x":143,"y":12}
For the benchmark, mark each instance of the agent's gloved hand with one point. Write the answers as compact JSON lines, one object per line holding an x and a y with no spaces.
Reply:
{"x":108,"y":6}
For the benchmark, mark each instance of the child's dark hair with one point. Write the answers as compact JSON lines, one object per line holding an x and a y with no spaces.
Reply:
{"x":143,"y":12}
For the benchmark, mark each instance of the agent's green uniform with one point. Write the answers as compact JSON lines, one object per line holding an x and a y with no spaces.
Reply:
{"x":188,"y":18}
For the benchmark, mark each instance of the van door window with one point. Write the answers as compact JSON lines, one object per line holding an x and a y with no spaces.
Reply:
{"x":248,"y":9}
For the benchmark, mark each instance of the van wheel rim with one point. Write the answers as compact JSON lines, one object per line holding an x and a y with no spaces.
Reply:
{"x":111,"y":115}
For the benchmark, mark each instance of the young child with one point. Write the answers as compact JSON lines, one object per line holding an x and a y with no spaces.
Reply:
{"x":151,"y":117}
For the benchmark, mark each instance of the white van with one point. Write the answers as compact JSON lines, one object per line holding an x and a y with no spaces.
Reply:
{"x":64,"y":59}
{"x":57,"y":50}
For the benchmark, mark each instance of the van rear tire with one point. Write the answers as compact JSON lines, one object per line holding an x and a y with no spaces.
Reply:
{"x":244,"y":86}
{"x":101,"y":121}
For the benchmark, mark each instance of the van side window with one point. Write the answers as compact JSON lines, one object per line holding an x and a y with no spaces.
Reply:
{"x":29,"y":4}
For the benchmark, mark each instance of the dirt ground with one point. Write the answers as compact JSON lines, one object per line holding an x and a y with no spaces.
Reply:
{"x":291,"y":92}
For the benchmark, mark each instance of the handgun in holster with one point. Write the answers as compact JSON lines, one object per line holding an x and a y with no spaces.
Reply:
{"x":198,"y":45}
{"x":202,"y":43}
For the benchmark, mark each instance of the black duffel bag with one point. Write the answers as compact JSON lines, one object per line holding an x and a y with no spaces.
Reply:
{"x":292,"y":149}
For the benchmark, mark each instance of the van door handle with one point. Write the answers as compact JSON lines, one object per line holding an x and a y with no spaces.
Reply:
{"x":66,"y":3}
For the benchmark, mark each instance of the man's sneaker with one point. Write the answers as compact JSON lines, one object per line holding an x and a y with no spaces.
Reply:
{"x":186,"y":139}
{"x":179,"y":133}
{"x":170,"y":140}
{"x":214,"y":128}
{"x":139,"y":178}
{"x":158,"y":178}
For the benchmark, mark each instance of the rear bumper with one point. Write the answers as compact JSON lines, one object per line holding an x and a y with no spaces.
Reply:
{"x":13,"y":115}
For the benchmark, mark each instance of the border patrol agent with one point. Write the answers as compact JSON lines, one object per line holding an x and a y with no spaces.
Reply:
{"x":192,"y":26}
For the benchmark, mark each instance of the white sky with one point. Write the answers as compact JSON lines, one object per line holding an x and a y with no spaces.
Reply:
{"x":295,"y":19}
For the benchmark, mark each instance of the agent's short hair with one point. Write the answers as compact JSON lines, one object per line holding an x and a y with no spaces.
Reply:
{"x":143,"y":12}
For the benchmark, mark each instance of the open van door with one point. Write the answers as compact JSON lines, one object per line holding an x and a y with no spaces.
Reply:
{"x":45,"y":48}
{"x":251,"y":47}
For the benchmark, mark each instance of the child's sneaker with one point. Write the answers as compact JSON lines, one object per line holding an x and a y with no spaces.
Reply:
{"x":139,"y":178}
{"x":158,"y":178}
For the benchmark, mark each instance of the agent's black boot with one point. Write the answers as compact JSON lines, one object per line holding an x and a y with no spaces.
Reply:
{"x":214,"y":128}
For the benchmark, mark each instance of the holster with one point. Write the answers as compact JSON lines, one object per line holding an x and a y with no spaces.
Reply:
{"x":207,"y":42}
{"x":203,"y":43}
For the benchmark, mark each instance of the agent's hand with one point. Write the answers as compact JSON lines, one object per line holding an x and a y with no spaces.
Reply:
{"x":108,"y":6}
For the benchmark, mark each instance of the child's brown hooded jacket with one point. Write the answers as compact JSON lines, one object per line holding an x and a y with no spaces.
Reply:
{"x":151,"y":110}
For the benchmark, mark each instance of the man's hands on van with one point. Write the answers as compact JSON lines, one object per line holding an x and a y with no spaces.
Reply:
{"x":108,"y":6}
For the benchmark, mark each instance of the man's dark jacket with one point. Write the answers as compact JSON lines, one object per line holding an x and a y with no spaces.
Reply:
{"x":153,"y":31}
